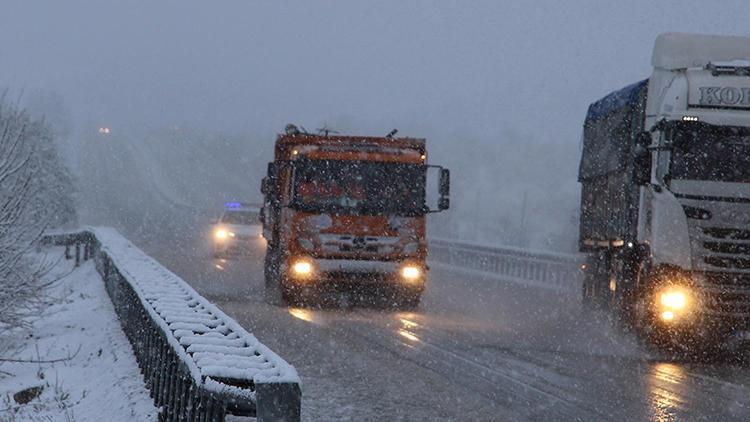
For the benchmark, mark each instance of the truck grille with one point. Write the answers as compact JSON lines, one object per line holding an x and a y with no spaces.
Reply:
{"x":724,"y":262}
{"x":728,"y":248}
{"x":727,"y":294}
{"x":729,"y":234}
{"x":720,"y":248}
{"x":724,"y":255}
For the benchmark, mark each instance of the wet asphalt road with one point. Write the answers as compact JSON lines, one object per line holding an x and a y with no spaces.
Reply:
{"x":476,"y":349}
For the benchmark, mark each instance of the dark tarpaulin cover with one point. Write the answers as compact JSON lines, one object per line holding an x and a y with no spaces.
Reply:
{"x":607,"y":133}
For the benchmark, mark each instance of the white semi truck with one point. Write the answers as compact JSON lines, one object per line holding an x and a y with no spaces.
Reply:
{"x":665,"y":203}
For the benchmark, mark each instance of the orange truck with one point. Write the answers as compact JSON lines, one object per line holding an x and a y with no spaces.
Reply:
{"x":347,"y":213}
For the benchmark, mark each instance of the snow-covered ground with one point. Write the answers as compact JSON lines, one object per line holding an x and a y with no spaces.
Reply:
{"x":77,"y":353}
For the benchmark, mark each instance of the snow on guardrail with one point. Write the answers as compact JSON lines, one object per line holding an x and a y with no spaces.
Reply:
{"x":543,"y":269}
{"x":197,"y":361}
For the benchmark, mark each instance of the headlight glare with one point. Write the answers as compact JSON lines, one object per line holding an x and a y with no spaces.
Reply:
{"x":411,"y":272}
{"x":302,"y":268}
{"x":674,"y":299}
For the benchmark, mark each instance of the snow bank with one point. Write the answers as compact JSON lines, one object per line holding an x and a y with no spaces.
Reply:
{"x":89,"y":373}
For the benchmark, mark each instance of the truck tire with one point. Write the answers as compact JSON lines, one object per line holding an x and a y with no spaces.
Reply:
{"x":410,"y":302}
{"x":650,"y":336}
{"x":624,"y":273}
{"x":587,"y":289}
{"x":595,"y":294}
{"x":272,"y":293}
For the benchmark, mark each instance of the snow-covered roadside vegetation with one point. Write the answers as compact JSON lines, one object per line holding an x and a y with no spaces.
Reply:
{"x":36,"y":192}
{"x":77,"y":364}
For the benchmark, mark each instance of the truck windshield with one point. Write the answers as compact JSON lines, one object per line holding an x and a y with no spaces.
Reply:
{"x":359,"y":187}
{"x":714,"y":153}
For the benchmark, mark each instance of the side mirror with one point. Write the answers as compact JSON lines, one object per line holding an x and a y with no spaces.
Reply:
{"x":642,"y":159}
{"x":444,"y":203}
{"x":273,"y":170}
{"x":643,"y":140}
{"x":264,"y":186}
{"x":445,"y":182}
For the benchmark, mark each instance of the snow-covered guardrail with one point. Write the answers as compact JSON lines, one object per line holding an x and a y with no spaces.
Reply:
{"x":545,"y":269}
{"x":198,"y":363}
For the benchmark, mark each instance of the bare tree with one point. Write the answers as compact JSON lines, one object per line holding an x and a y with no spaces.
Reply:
{"x":36,"y":192}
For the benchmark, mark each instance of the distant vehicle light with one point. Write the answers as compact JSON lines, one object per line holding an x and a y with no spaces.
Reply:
{"x":233,"y":205}
{"x":689,"y":118}
{"x":221,"y":234}
{"x":104,"y":130}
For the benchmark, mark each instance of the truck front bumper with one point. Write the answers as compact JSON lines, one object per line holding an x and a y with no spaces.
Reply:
{"x":360,"y":274}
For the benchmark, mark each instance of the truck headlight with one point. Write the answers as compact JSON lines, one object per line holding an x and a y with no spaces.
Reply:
{"x":302,"y":268}
{"x":673,"y":299}
{"x":411,"y":272}
{"x":674,"y":302}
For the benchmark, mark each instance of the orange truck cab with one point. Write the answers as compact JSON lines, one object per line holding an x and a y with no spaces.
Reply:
{"x":348,"y":213}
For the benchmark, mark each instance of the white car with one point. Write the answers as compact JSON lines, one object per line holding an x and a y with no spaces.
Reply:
{"x":237,"y":230}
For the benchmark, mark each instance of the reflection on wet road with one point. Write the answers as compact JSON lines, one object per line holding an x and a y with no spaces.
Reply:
{"x":475,"y":350}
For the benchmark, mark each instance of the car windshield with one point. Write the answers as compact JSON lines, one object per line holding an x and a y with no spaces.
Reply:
{"x":711,"y":153}
{"x":360,"y":187}
{"x":239,"y":217}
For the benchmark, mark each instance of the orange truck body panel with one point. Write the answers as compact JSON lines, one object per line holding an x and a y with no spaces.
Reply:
{"x":370,"y":237}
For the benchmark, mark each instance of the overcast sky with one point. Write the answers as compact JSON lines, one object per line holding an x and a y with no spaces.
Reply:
{"x":254,"y":66}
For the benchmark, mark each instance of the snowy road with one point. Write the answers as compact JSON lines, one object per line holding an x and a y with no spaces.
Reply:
{"x":475,"y":350}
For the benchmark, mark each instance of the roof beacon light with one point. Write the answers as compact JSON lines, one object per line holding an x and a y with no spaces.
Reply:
{"x":232,"y":205}
{"x":689,"y":118}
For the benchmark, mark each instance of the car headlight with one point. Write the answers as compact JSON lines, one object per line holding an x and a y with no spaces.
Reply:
{"x":411,"y":272}
{"x":221,"y":234}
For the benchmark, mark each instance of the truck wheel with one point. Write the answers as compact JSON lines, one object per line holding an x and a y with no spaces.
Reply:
{"x":650,"y":335}
{"x":587,"y":294}
{"x":272,"y":289}
{"x":625,"y":270}
{"x":592,"y":286}
{"x":410,"y":301}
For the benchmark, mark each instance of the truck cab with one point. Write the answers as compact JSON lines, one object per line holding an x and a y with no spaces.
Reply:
{"x":347,"y":213}
{"x":665,"y":209}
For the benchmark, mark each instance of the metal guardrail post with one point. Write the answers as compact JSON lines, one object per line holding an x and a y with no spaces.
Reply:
{"x":277,"y":401}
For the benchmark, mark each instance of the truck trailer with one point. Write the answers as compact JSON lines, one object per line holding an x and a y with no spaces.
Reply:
{"x":665,"y":198}
{"x":348,"y":213}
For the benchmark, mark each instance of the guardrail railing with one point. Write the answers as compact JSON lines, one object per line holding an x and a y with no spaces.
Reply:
{"x":198,"y":363}
{"x":546,"y":269}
